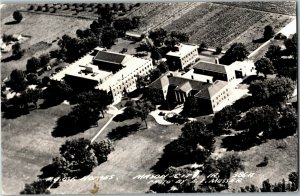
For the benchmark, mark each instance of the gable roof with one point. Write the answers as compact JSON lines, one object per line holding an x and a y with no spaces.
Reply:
{"x":211,"y":90}
{"x":180,"y":82}
{"x":207,"y":66}
{"x":185,"y":87}
{"x":109,"y":57}
{"x":160,"y":82}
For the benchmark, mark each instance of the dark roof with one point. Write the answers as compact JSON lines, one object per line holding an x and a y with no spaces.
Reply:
{"x":179,"y":82}
{"x":210,"y":67}
{"x":160,"y":82}
{"x":109,"y":57}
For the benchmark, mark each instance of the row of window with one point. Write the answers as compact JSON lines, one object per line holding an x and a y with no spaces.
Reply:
{"x":129,"y":81}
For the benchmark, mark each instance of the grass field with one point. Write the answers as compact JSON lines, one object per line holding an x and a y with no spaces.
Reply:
{"x":282,"y":155}
{"x":28,"y":146}
{"x":43,"y":29}
{"x":133,"y":155}
{"x":283,"y":159}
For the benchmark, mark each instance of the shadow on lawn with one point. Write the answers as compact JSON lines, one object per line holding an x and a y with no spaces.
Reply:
{"x":12,"y":22}
{"x":177,"y":153}
{"x":15,"y":112}
{"x":67,"y":126}
{"x":10,"y":58}
{"x":123,"y":131}
{"x":48,"y":104}
{"x":241,"y":142}
{"x":259,"y":40}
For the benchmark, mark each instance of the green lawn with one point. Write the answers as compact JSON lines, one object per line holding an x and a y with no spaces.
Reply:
{"x":133,"y":155}
{"x":43,"y":29}
{"x":28,"y":146}
{"x":283,"y":159}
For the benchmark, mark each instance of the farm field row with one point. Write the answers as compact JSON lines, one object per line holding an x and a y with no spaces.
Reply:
{"x":220,"y":25}
{"x":280,"y":7}
{"x":155,"y":15}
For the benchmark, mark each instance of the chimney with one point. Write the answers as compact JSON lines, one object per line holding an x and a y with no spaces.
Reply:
{"x":192,"y":76}
{"x":216,"y":61}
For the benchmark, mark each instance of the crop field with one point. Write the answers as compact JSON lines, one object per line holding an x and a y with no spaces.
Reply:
{"x":280,"y":7}
{"x":214,"y":23}
{"x":155,"y":15}
{"x":219,"y":25}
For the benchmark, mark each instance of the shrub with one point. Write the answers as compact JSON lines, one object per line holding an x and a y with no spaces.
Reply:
{"x":17,"y":16}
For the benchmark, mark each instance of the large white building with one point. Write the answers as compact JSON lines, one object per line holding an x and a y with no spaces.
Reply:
{"x":105,"y":70}
{"x":125,"y":79}
{"x":181,"y":56}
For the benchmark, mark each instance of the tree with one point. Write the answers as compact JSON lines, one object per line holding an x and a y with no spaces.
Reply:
{"x":17,"y":52}
{"x":97,"y":99}
{"x":123,"y":24}
{"x":294,"y":179}
{"x":115,"y":7}
{"x":37,"y":187}
{"x":46,"y":81}
{"x":17,"y":80}
{"x":229,"y":164}
{"x":102,"y":149}
{"x":32,"y":96}
{"x":260,"y":119}
{"x":31,"y":7}
{"x":218,"y":50}
{"x":17,"y":16}
{"x":264,"y":66}
{"x":171,"y":183}
{"x":84,"y":115}
{"x":122,"y":7}
{"x":202,"y":46}
{"x":79,"y":157}
{"x":154,"y":96}
{"x":292,"y":46}
{"x":269,"y":32}
{"x":287,"y":123}
{"x":39,"y":8}
{"x":271,"y":91}
{"x":140,"y":109}
{"x":195,"y":133}
{"x":158,"y":36}
{"x":155,"y":54}
{"x":273,"y":53}
{"x":109,"y":36}
{"x":163,"y":67}
{"x":58,"y":91}
{"x":44,"y":60}
{"x":236,"y":52}
{"x":32,"y":78}
{"x":282,"y":186}
{"x":33,"y":64}
{"x":181,"y":37}
{"x":225,"y":118}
